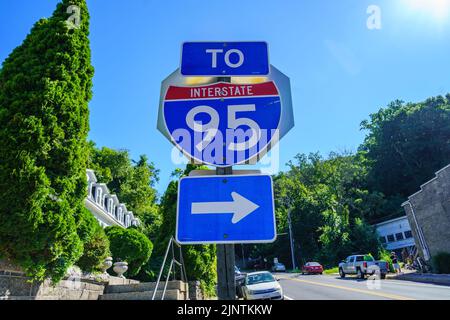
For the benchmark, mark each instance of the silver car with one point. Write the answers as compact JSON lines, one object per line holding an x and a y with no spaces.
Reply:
{"x":262,"y":286}
{"x":279,"y":267}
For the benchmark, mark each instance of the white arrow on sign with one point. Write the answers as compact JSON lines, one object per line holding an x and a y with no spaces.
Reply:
{"x":240,"y":207}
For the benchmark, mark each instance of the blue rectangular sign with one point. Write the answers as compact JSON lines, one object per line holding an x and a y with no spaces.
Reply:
{"x":224,"y":59}
{"x":225,"y":209}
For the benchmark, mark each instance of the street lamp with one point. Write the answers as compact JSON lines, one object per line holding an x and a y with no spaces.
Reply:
{"x":288,"y":204}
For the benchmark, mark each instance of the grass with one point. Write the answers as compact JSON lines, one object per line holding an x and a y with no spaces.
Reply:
{"x":331,"y":271}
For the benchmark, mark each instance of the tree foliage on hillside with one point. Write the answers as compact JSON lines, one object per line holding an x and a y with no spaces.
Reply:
{"x":132,"y":181}
{"x":328,"y":205}
{"x":45,"y":87}
{"x":406,"y":144}
{"x":334,"y":199}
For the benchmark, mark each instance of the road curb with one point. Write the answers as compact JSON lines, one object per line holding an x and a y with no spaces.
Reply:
{"x":441,"y":279}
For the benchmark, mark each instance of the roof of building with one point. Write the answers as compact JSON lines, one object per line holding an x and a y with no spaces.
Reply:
{"x":447,"y":167}
{"x":390,"y":221}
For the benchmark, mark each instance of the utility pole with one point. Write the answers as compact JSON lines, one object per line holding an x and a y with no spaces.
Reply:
{"x":291,"y":239}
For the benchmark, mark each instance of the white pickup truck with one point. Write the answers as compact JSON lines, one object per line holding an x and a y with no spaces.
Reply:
{"x":361,"y":265}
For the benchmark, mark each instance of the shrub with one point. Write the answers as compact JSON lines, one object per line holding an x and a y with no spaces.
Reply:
{"x":441,"y":262}
{"x":385,"y":255}
{"x":201,"y":264}
{"x":96,"y":250}
{"x":332,"y":270}
{"x":131,"y":246}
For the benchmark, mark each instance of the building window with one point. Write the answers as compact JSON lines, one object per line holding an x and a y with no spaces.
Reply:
{"x":110,"y":206}
{"x":90,"y":190}
{"x":408,"y":234}
{"x":399,"y":236}
{"x":383,"y":239}
{"x":99,"y":196}
{"x":390,"y":238}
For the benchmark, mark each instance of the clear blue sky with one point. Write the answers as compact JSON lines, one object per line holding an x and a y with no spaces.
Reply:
{"x":340,"y":70}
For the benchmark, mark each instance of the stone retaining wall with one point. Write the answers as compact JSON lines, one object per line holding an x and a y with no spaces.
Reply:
{"x":15,"y":286}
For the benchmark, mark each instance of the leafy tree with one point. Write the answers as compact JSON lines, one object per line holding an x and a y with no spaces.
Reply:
{"x":131,"y":246}
{"x":45,"y":87}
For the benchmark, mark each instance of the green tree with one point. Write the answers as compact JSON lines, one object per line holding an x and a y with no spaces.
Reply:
{"x":45,"y":87}
{"x":404,"y":146}
{"x":132,"y":181}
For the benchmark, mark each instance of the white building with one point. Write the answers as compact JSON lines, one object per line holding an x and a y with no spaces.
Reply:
{"x":106,"y":207}
{"x":395,"y":234}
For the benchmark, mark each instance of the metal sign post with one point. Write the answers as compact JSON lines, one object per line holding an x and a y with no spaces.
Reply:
{"x":226,"y":284}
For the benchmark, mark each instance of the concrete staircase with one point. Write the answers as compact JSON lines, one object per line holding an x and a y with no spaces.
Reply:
{"x":176,"y":290}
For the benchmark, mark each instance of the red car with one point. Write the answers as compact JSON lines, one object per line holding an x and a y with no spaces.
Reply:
{"x":312,"y":267}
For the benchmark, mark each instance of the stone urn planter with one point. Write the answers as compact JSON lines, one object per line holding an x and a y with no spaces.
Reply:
{"x":120,"y":268}
{"x":107,"y":264}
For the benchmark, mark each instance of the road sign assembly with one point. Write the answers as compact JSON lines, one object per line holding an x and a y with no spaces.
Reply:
{"x":225,"y":105}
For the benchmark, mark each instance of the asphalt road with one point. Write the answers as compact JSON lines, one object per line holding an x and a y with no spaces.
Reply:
{"x":332,"y":287}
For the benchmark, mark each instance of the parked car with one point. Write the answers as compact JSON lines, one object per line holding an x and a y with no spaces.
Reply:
{"x":361,"y":265}
{"x":262,"y":285}
{"x":279,"y":267}
{"x":239,"y":278}
{"x":312,"y":268}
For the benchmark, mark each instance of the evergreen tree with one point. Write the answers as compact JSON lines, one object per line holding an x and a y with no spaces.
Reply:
{"x":45,"y":86}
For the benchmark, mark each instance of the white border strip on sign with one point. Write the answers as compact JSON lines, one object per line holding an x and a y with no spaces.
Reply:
{"x":221,"y":74}
{"x":232,"y":241}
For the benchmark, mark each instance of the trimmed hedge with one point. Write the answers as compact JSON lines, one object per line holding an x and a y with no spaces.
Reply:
{"x":131,"y":246}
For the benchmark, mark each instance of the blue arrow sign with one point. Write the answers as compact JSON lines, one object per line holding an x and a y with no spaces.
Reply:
{"x":224,"y":59}
{"x":225,"y":209}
